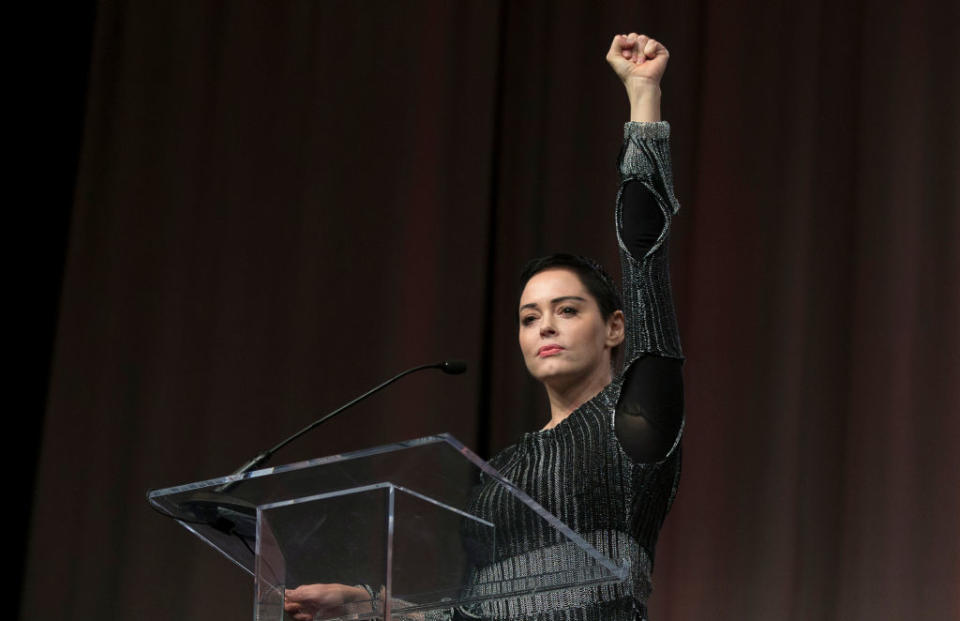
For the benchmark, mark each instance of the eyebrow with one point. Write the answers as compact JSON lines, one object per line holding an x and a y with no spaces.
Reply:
{"x":556,"y":301}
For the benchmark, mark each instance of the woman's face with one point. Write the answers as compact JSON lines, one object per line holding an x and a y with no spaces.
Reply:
{"x":563,"y":336}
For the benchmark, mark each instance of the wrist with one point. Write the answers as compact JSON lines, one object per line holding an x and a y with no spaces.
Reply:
{"x":644,"y":95}
{"x":641,"y":86}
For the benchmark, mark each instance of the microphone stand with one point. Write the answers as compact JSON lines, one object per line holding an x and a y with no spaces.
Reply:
{"x":235,"y":516}
{"x":451,"y":367}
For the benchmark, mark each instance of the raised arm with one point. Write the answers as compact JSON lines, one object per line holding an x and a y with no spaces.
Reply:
{"x":649,"y":416}
{"x":643,"y":229}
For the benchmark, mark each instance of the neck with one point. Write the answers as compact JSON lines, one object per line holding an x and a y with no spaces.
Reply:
{"x":567,"y":397}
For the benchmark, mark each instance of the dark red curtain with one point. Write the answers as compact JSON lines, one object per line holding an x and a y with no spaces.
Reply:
{"x":280,"y":204}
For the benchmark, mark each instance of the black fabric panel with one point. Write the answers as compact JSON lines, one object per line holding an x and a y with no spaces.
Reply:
{"x":650,"y":411}
{"x":642,"y":218}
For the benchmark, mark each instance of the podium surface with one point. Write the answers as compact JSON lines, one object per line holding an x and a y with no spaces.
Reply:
{"x":400,"y":520}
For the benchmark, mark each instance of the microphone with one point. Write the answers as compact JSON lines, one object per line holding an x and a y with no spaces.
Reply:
{"x":453,"y":367}
{"x":450,"y":367}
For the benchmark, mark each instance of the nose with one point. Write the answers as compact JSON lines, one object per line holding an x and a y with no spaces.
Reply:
{"x":546,"y":325}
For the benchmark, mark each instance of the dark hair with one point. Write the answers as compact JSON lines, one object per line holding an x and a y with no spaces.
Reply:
{"x":591,"y":274}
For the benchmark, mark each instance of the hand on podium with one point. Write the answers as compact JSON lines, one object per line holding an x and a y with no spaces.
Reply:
{"x":330,"y":600}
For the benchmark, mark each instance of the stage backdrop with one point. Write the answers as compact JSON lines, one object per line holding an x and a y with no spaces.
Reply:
{"x":280,"y":204}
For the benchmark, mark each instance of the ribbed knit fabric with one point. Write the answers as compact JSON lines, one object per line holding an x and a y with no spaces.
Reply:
{"x":578,"y":470}
{"x":647,"y":297}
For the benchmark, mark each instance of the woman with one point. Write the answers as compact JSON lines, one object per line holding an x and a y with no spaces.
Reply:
{"x":608,"y":461}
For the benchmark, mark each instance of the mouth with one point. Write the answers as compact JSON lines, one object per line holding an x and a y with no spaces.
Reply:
{"x":549,"y":350}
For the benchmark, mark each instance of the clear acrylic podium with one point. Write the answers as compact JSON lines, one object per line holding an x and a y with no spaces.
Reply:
{"x":397,"y":520}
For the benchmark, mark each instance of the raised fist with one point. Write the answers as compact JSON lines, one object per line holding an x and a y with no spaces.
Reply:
{"x":638,"y":57}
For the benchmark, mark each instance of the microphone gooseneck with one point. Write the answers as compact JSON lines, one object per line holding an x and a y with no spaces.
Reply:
{"x":450,"y":367}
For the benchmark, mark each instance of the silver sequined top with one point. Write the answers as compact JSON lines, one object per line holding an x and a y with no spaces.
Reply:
{"x":578,"y":470}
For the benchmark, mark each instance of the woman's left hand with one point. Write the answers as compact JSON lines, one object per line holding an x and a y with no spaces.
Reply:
{"x":638,"y":58}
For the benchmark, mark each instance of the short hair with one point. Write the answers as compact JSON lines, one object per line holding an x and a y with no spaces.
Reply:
{"x":591,"y":274}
